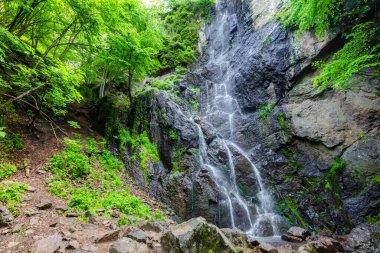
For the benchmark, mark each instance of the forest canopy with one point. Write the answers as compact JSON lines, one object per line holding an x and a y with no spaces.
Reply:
{"x":55,"y":52}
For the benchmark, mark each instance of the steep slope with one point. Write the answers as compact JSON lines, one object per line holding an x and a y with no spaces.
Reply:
{"x":317,"y":152}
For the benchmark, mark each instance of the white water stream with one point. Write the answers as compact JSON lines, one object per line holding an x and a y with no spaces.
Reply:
{"x":221,"y":102}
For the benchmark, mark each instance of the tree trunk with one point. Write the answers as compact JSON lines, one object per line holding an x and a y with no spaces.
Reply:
{"x":129,"y":88}
{"x":103,"y":84}
{"x":69,"y":44}
{"x":63,"y":33}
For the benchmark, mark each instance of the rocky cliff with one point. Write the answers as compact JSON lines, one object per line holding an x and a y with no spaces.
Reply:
{"x":318,"y":152}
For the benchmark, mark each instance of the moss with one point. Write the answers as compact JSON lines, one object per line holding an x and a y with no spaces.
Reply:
{"x":330,"y":177}
{"x":143,"y":150}
{"x":294,"y":215}
{"x":177,"y":156}
{"x":294,"y":165}
{"x":374,"y":219}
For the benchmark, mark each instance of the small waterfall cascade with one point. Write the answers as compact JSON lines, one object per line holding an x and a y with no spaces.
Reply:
{"x":220,"y":109}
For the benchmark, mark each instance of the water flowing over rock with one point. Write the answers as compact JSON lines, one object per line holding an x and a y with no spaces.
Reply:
{"x":238,"y":166}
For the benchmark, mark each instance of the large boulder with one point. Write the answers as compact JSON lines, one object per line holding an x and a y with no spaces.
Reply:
{"x":322,"y":245}
{"x":49,"y":244}
{"x":195,"y":236}
{"x":5,"y":216}
{"x":128,"y":245}
{"x":295,"y":234}
{"x":363,"y":238}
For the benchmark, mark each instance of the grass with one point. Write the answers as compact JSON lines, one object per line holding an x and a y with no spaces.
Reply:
{"x":101,"y":186}
{"x":11,"y":195}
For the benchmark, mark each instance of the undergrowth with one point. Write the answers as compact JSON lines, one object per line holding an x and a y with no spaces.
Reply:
{"x":11,"y":195}
{"x":90,"y":178}
{"x":143,"y":150}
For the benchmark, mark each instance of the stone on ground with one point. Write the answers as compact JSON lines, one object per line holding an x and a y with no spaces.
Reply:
{"x":127,"y":245}
{"x":267,"y":248}
{"x":195,"y":235}
{"x":322,"y":245}
{"x":44,"y":204}
{"x":47,"y":245}
{"x":5,"y":216}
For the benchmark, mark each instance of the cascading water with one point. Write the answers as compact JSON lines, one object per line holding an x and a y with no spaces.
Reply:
{"x":219,"y":103}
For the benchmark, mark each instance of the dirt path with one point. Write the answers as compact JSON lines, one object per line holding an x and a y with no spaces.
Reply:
{"x":34,"y":224}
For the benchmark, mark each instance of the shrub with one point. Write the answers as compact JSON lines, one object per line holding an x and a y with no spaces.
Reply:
{"x":6,"y":170}
{"x":11,"y":195}
{"x":103,"y":186}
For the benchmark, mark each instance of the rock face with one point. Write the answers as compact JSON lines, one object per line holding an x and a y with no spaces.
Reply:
{"x":294,"y":145}
{"x":195,"y":235}
{"x":5,"y":216}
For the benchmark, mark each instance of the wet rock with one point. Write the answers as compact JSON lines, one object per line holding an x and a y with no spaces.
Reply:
{"x":108,"y":237}
{"x":267,"y":248}
{"x":127,"y":245}
{"x":290,"y":238}
{"x":195,"y":235}
{"x":298,"y":232}
{"x":237,"y":237}
{"x":295,"y":234}
{"x":5,"y":216}
{"x":44,"y":204}
{"x":47,"y":245}
{"x":138,"y":236}
{"x":363,"y":238}
{"x":322,"y":245}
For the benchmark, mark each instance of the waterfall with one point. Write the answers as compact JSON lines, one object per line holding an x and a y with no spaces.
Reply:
{"x":219,"y":102}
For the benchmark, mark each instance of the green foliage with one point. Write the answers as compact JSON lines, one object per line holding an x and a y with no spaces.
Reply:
{"x":282,"y":121}
{"x":74,"y":124}
{"x":173,"y":134}
{"x":358,"y":55}
{"x":11,"y":195}
{"x":102,"y":188}
{"x":141,"y":147}
{"x":294,"y":215}
{"x":183,"y":22}
{"x":362,"y":51}
{"x":12,"y":142}
{"x":159,"y":216}
{"x":168,"y":83}
{"x":306,"y":15}
{"x":72,"y":162}
{"x":265,"y":110}
{"x":178,"y":155}
{"x":2,"y":132}
{"x":338,"y":165}
{"x":374,"y":219}
{"x":7,"y":170}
